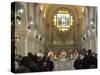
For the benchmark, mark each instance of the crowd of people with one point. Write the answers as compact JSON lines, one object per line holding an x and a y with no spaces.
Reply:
{"x":33,"y":63}
{"x":86,"y":60}
{"x":40,"y":62}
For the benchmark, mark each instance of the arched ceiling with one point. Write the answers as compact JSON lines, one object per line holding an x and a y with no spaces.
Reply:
{"x":49,"y":9}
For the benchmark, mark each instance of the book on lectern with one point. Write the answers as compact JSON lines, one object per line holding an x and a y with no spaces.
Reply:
{"x":53,"y":37}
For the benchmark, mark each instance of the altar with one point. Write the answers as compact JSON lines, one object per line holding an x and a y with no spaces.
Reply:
{"x":63,"y":64}
{"x":63,"y":60}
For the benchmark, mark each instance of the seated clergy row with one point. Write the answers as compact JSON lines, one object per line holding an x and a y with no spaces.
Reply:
{"x":58,"y":54}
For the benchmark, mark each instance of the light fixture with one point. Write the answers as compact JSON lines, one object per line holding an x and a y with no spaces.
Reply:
{"x":19,"y":22}
{"x":21,"y":10}
{"x":55,"y":16}
{"x":17,"y":38}
{"x":41,"y":7}
{"x":31,"y":22}
{"x":83,"y":9}
{"x":54,"y":20}
{"x":91,"y":22}
{"x":71,"y":24}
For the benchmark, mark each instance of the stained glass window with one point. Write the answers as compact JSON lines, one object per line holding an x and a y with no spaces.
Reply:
{"x":63,"y":20}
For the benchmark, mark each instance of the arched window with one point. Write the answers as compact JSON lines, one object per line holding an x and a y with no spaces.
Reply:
{"x":63,"y":19}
